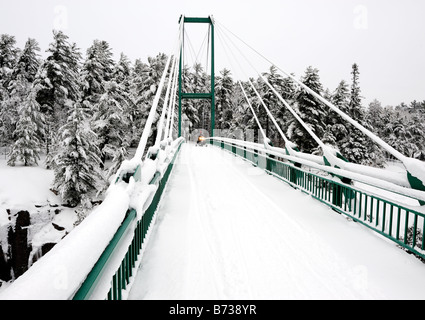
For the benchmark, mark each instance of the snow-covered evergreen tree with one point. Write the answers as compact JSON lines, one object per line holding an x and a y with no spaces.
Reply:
{"x":188,"y":107}
{"x":223,"y":91}
{"x":374,"y":117}
{"x":19,"y":86}
{"x":110,"y":120}
{"x":271,"y":100}
{"x":336,"y":127}
{"x":198,"y":84}
{"x":136,"y":98}
{"x":96,"y":69}
{"x":77,"y":163}
{"x":8,"y":56}
{"x":59,"y":77}
{"x":58,"y":86}
{"x":251,"y":124}
{"x":28,"y":61}
{"x":356,"y":147}
{"x":311,"y":112}
{"x":27,"y":133}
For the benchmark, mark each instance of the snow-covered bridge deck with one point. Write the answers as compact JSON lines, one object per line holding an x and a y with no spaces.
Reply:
{"x":228,"y":230}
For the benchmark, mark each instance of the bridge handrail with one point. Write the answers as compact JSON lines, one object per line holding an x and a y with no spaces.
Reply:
{"x":373,"y":177}
{"x":401,"y":223}
{"x":111,"y":276}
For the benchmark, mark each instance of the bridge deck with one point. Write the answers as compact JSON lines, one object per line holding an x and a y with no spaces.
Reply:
{"x":227,"y":230}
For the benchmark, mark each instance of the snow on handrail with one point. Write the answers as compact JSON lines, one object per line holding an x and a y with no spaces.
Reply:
{"x":370,"y":176}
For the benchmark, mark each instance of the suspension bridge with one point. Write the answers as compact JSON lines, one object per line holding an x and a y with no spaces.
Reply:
{"x":236,"y":219}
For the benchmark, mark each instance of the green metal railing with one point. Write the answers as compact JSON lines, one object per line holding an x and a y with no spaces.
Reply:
{"x":400,"y":223}
{"x":122,"y":277}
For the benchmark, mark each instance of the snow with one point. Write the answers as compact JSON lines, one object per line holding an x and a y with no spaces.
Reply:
{"x":227,"y":230}
{"x":392,"y":181}
{"x":59,"y":274}
{"x":61,"y":271}
{"x":28,"y":189}
{"x":22,"y":187}
{"x":416,"y":168}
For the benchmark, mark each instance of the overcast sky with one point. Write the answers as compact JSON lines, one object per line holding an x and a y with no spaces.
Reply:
{"x":386,"y":38}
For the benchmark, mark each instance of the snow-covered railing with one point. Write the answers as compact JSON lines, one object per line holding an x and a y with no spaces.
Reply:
{"x":102,"y":252}
{"x":112,"y":275}
{"x":383,"y":202}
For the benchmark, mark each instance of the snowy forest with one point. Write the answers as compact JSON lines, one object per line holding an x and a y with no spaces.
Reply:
{"x":81,"y":111}
{"x":80,"y":115}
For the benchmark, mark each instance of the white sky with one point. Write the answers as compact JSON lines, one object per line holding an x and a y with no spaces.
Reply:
{"x":385,"y":37}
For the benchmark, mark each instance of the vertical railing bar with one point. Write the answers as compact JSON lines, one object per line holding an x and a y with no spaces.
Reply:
{"x":355,"y":203}
{"x":119,"y":285}
{"x":114,"y":286}
{"x":398,"y":223}
{"x":415,"y":224}
{"x":123,"y":281}
{"x":406,"y":226}
{"x":384,"y":216}
{"x":345,"y":197}
{"x":423,"y":234}
{"x":377,"y":212}
{"x":391,"y":220}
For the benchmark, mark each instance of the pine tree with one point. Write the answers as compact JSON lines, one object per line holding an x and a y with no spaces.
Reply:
{"x":311,"y":112}
{"x":152,"y":76}
{"x":27,"y":62}
{"x":271,"y":100}
{"x":136,"y":97}
{"x":8,"y":56}
{"x":27,"y":145}
{"x":110,"y":120}
{"x":356,"y":147}
{"x":223,"y":91}
{"x":355,"y":109}
{"x":374,"y":117}
{"x":19,"y":85}
{"x":96,"y":69}
{"x":122,"y":70}
{"x":58,"y":86}
{"x":76,"y":170}
{"x":198,"y":84}
{"x":59,"y":77}
{"x":336,"y":127}
{"x":189,"y":113}
{"x":258,"y":109}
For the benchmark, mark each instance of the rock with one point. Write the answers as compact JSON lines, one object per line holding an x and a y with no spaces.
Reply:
{"x":59,"y":228}
{"x":18,"y":242}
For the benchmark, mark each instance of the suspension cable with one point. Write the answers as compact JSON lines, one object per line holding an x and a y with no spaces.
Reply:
{"x":253,"y":112}
{"x":263,"y":133}
{"x":165,"y":105}
{"x":172,"y":102}
{"x":148,"y":126}
{"x":306,"y":127}
{"x":367,"y":132}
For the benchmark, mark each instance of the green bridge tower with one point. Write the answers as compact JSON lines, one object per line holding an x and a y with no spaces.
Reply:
{"x":187,"y":95}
